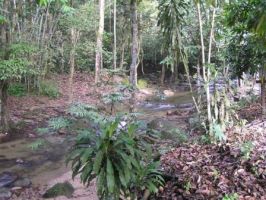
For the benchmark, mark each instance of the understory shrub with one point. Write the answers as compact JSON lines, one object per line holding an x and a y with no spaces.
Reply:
{"x":49,"y":89}
{"x":17,"y":89}
{"x":119,"y":161}
{"x":111,"y":149}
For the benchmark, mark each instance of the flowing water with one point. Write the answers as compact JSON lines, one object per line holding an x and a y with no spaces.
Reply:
{"x":157,"y":106}
{"x":48,"y":162}
{"x":39,"y":165}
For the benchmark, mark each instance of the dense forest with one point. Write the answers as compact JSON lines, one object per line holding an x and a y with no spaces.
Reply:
{"x":133,"y":99}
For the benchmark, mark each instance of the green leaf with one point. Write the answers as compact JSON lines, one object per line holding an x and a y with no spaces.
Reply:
{"x":101,"y":182}
{"x":98,"y":162}
{"x":110,"y":176}
{"x":2,"y":19}
{"x":86,"y":156}
{"x":86,"y":172}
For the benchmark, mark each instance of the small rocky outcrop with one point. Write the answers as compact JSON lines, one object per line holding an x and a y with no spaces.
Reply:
{"x":60,"y":189}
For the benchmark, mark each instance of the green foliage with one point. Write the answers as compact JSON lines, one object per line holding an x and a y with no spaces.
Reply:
{"x":113,"y":98}
{"x":148,"y":177}
{"x":246,"y":51}
{"x":2,"y":19}
{"x":205,"y":139}
{"x":218,"y":132}
{"x":42,"y":131}
{"x":125,"y":82}
{"x":116,"y":159}
{"x":187,"y":186}
{"x":37,"y":144}
{"x":246,"y":149}
{"x":80,"y":110}
{"x":58,"y":123}
{"x":171,"y":15}
{"x":180,"y":135}
{"x":233,"y":196}
{"x":142,"y":84}
{"x":17,"y":89}
{"x":17,"y":65}
{"x":13,"y":68}
{"x":246,"y":101}
{"x":49,"y":89}
{"x":21,"y":49}
{"x":176,"y":135}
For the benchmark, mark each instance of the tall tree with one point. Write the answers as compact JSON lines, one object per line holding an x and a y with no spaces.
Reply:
{"x":115,"y":53}
{"x":134,"y":47}
{"x":98,"y":58}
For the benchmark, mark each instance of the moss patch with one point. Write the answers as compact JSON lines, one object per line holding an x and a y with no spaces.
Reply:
{"x":60,"y":189}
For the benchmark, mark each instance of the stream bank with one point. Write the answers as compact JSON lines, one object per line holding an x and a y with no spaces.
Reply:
{"x":46,"y":166}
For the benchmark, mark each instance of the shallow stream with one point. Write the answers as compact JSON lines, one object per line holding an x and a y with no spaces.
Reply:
{"x":48,"y":162}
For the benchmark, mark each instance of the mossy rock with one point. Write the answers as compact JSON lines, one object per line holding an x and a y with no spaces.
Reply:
{"x":60,"y":189}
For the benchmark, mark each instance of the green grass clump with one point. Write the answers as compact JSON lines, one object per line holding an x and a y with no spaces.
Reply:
{"x":142,"y":84}
{"x":17,"y":89}
{"x":49,"y":89}
{"x":125,"y":82}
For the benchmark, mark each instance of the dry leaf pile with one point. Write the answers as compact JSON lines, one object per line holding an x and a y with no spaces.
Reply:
{"x":212,"y":171}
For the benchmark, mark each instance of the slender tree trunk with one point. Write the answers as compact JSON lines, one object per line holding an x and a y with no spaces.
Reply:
{"x":74,"y":40}
{"x":163,"y":74}
{"x":208,"y":93}
{"x":98,"y":57}
{"x":72,"y":64}
{"x":198,"y":76}
{"x":122,"y":56}
{"x":202,"y":42}
{"x":134,"y":47}
{"x":263,"y":93}
{"x":205,"y":76}
{"x":4,"y":107}
{"x":114,"y":53}
{"x":6,"y":36}
{"x":62,"y":66}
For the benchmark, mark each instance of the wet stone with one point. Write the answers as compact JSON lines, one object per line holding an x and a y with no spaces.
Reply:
{"x":59,"y":189}
{"x":7,"y":178}
{"x":5,"y":193}
{"x":23,"y":182}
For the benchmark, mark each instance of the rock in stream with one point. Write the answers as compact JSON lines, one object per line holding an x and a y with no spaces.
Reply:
{"x":7,"y":178}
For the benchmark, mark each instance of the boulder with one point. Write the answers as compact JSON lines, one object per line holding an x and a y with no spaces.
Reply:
{"x":59,"y":189}
{"x":22,"y":182}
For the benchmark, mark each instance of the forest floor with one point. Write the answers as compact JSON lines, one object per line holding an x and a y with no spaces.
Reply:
{"x":196,"y":171}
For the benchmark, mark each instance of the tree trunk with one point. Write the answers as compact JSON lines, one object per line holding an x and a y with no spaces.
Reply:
{"x":4,"y":107}
{"x":134,"y":47}
{"x":72,"y":64}
{"x":122,"y":56}
{"x":62,"y":62}
{"x":114,"y":53}
{"x":98,"y":56}
{"x":6,"y":36}
{"x":205,"y":76}
{"x":163,"y":74}
{"x":263,"y":93}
